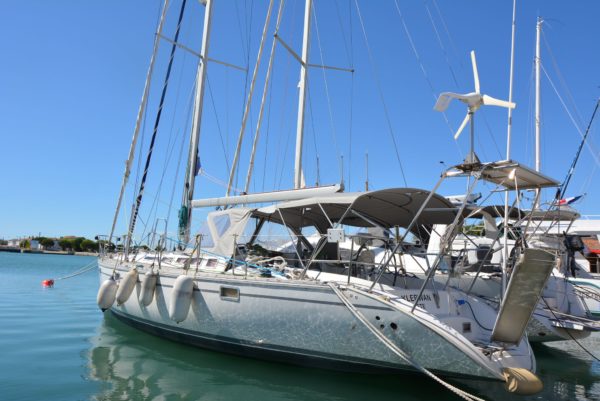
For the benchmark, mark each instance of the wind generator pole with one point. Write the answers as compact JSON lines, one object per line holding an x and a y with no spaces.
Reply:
{"x":185,"y":213}
{"x":537,"y":102}
{"x":302,"y":96}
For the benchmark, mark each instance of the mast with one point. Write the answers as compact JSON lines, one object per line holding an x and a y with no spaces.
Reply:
{"x":185,"y":213}
{"x":138,"y":121}
{"x":510,"y":85}
{"x":508,"y":141}
{"x":537,"y":94}
{"x":537,"y":104}
{"x":302,"y":96}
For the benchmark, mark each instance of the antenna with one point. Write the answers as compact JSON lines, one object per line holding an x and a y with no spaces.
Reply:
{"x":474,"y":101}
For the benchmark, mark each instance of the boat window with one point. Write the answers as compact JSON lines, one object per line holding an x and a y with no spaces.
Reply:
{"x":211,"y":262}
{"x":230,"y":293}
{"x":194,"y":261}
{"x":222,"y":223}
{"x":275,"y":237}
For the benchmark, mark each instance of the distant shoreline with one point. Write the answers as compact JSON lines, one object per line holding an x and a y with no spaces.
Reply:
{"x":19,"y":250}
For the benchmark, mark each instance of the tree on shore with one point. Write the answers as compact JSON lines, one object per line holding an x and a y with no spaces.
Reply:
{"x":89,"y":246}
{"x":47,"y":243}
{"x":65,"y":244}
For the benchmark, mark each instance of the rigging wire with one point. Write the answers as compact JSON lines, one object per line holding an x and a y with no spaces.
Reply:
{"x":156,"y":124}
{"x":212,"y":99}
{"x":328,"y":97}
{"x":561,"y":78}
{"x":312,"y":126}
{"x":248,"y":102}
{"x":266,"y":92}
{"x":577,"y":128}
{"x":563,"y":188}
{"x":441,"y":43}
{"x":268,"y":130}
{"x":424,"y":71}
{"x":350,"y":55}
{"x":169,"y":149}
{"x":382,"y":99}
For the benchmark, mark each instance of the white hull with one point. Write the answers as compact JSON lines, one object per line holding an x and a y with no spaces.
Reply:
{"x":304,"y":322}
{"x":589,"y":288}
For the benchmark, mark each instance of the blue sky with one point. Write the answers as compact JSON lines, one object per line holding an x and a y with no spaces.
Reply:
{"x":72,"y":74}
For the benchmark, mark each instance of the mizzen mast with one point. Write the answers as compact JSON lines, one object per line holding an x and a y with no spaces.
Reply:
{"x":302,"y":96}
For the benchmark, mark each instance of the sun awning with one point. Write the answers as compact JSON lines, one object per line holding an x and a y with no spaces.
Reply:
{"x":510,"y":174}
{"x":388,"y":208}
{"x":558,"y":214}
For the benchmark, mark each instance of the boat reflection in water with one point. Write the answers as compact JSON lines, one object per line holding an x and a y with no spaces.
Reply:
{"x":137,"y":366}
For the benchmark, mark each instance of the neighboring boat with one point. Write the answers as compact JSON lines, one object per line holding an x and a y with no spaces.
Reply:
{"x":575,"y":240}
{"x":238,"y":291}
{"x":476,"y":268}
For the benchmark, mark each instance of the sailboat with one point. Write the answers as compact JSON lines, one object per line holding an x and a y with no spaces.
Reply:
{"x":235,"y":291}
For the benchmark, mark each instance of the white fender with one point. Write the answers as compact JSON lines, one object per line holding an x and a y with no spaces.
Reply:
{"x":181,"y":298}
{"x":106,"y":294}
{"x":126,"y":286}
{"x":148,"y":287}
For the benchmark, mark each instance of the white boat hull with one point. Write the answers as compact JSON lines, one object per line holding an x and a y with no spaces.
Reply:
{"x":305,"y":323}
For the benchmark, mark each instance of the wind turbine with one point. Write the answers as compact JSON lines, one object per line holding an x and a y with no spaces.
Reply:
{"x":474,"y":101}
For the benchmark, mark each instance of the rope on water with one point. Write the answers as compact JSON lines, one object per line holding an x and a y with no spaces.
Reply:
{"x":461,"y":393}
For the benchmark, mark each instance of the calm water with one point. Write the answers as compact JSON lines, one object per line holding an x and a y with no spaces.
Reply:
{"x":56,"y":345}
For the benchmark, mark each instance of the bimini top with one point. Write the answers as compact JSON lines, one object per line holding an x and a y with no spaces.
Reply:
{"x":386,"y":208}
{"x":560,"y":213}
{"x":509,"y":174}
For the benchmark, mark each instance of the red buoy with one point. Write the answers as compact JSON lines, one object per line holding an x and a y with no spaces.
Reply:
{"x":48,"y":283}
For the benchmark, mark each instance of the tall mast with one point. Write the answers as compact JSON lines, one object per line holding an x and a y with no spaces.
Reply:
{"x":537,"y":104}
{"x":138,"y":121}
{"x":185,"y":213}
{"x":302,"y":96}
{"x":510,"y":85}
{"x":508,"y":142}
{"x":537,"y":94}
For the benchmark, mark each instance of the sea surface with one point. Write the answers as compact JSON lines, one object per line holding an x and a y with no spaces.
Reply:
{"x":55,"y":344}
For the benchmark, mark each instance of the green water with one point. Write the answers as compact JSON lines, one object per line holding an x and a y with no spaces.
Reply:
{"x":56,"y":345}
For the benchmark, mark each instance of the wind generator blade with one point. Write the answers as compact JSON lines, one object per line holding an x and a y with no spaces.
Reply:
{"x":462,"y":126}
{"x":490,"y":101}
{"x":475,"y":73}
{"x":442,"y":102}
